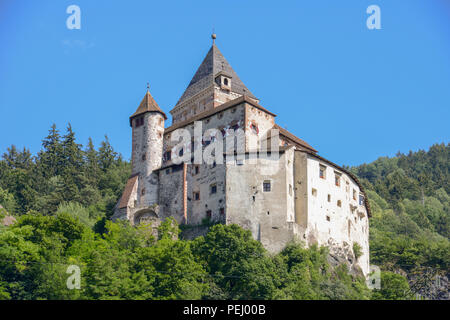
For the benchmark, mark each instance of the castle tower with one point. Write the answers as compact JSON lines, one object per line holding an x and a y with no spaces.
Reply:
{"x":147,"y":146}
{"x":214,"y":83}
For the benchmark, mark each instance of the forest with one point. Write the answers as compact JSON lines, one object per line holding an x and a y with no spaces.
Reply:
{"x":63,"y":197}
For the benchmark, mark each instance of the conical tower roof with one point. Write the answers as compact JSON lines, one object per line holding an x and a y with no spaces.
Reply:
{"x":148,"y":104}
{"x":213,"y":64}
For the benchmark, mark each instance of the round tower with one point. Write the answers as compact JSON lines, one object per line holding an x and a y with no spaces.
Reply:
{"x":148,"y":130}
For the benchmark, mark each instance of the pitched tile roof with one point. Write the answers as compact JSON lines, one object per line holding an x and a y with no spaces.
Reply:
{"x":127,"y":192}
{"x":213,"y":64}
{"x":293,"y":138}
{"x":148,"y":104}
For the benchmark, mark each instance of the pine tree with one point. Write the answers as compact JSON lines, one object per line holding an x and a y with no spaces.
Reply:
{"x":72,"y":165}
{"x":51,"y":158}
{"x":92,"y":169}
{"x":107,"y":155}
{"x":18,"y":160}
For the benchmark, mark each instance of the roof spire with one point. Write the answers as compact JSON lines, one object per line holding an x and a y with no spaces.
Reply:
{"x":148,"y":87}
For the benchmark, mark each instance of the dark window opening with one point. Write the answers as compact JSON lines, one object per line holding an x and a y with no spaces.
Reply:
{"x":208,"y":214}
{"x":222,"y":211}
{"x":213,"y":189}
{"x":361,"y":200}
{"x":167,"y":155}
{"x":266,"y":186}
{"x":254,"y":128}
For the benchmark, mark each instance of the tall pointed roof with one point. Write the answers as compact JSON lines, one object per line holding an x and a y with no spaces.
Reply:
{"x":213,"y":64}
{"x":148,"y":104}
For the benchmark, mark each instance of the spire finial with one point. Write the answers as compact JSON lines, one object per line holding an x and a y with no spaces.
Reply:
{"x":213,"y":36}
{"x":148,"y":87}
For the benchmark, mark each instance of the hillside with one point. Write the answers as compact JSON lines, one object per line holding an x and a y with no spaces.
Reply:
{"x":410,"y":227}
{"x":63,"y":196}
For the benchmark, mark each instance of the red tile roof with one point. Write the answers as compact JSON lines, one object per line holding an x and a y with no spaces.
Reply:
{"x":293,"y":138}
{"x":148,"y":104}
{"x":127,"y":192}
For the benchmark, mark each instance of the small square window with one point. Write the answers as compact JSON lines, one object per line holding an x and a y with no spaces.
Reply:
{"x":266,"y":186}
{"x":142,"y":191}
{"x":222,"y":211}
{"x":322,"y":172}
{"x":337,"y":179}
{"x":208,"y":214}
{"x":197,"y":195}
{"x":213,"y":188}
{"x":328,"y":218}
{"x":339,"y":203}
{"x":361,"y":199}
{"x":314,"y":192}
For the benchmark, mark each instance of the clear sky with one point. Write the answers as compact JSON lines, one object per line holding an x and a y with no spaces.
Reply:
{"x":354,"y":94}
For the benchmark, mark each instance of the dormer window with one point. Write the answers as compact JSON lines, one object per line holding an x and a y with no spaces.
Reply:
{"x":223,"y":80}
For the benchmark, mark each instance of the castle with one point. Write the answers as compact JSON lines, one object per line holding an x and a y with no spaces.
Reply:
{"x":269,"y":182}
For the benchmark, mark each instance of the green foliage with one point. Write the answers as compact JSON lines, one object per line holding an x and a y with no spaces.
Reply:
{"x":64,"y":196}
{"x":393,"y":287}
{"x":410,"y":226}
{"x":62,"y":172}
{"x":7,"y":201}
{"x":357,"y":250}
{"x":77,"y":211}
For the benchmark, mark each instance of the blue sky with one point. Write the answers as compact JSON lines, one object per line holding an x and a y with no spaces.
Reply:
{"x":354,"y":94}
